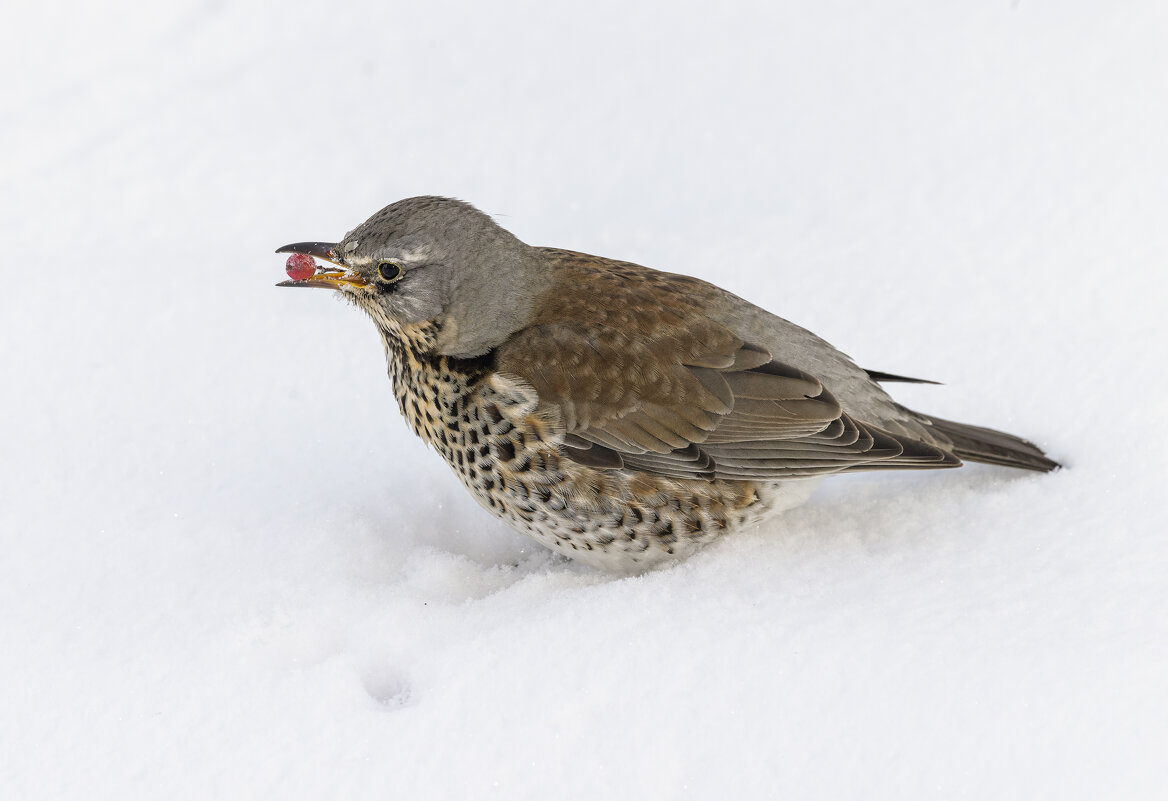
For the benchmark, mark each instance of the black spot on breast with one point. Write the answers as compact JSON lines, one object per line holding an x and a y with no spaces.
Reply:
{"x":505,"y":450}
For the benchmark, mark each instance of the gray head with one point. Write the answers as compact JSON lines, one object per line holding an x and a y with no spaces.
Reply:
{"x":433,"y":259}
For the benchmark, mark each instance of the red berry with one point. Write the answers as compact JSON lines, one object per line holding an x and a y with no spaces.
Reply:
{"x":300,"y":267}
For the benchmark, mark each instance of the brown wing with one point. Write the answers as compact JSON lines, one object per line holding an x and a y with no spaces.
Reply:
{"x":641,"y":379}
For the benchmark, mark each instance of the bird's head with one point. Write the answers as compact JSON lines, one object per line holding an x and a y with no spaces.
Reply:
{"x":433,"y":260}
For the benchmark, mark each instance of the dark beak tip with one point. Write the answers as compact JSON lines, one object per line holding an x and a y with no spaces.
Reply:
{"x":321,"y":250}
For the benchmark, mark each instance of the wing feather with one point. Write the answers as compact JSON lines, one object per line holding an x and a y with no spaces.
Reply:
{"x":653,"y":385}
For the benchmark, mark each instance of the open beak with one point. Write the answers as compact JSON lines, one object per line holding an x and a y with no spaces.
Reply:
{"x":325,"y":278}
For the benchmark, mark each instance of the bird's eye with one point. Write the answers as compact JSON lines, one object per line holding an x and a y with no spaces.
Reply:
{"x":389,"y":271}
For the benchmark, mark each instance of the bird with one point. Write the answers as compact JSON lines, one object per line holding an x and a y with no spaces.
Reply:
{"x":619,"y":415}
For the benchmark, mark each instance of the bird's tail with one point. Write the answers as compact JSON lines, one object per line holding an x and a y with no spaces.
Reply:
{"x":978,"y":444}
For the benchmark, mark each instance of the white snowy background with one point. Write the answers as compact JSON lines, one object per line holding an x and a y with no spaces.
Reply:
{"x":229,"y":571}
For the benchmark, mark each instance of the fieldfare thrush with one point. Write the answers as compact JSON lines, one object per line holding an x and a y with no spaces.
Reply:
{"x":619,"y":415}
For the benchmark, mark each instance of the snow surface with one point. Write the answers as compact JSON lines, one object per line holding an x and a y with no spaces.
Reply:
{"x":229,"y":571}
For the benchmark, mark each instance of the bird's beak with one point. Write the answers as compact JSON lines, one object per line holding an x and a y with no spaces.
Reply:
{"x":324,"y":278}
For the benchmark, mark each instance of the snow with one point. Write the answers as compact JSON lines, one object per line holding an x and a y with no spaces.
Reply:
{"x":230,"y":571}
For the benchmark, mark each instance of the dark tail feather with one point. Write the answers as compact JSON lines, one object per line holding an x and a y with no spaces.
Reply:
{"x":979,"y":444}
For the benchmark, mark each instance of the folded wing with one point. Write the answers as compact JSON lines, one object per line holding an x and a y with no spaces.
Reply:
{"x":698,"y":403}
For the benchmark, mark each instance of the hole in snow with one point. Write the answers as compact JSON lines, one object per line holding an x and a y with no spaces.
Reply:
{"x":386,"y":687}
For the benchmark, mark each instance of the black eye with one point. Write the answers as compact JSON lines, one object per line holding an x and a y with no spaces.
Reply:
{"x":389,"y":271}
